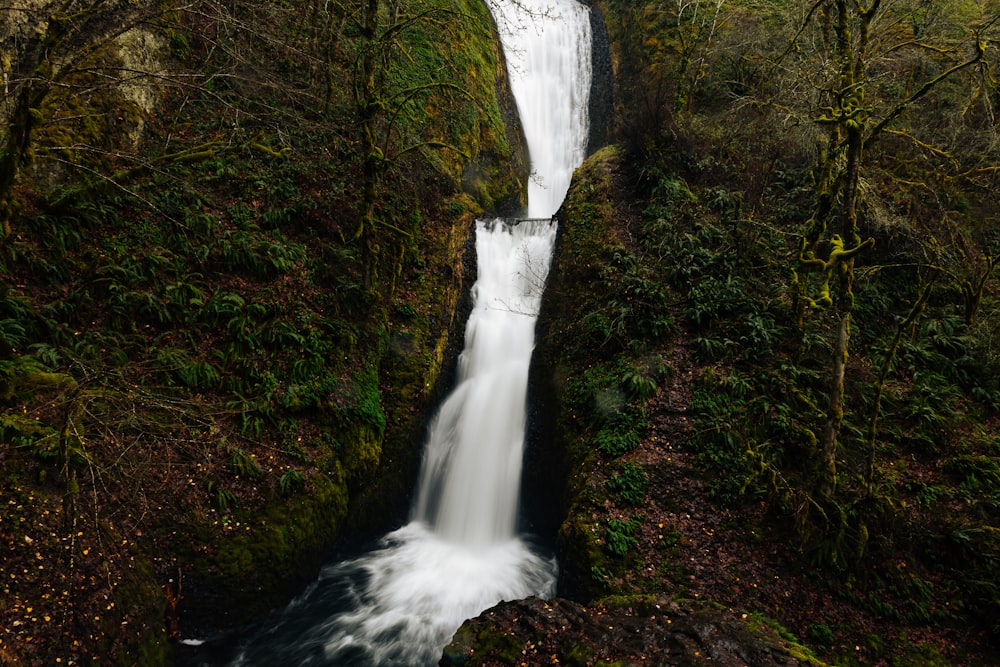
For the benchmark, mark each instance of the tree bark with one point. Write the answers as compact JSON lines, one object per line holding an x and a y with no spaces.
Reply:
{"x":851,"y":97}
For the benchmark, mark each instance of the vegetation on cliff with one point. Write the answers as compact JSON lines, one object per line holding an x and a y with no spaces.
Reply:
{"x":231,"y":259}
{"x":770,"y":329}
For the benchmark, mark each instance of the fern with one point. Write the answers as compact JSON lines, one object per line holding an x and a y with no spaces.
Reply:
{"x":199,"y":375}
{"x":618,"y":535}
{"x":243,"y":464}
{"x":291,"y":480}
{"x":638,"y":385}
{"x":615,"y":442}
{"x":224,"y":499}
{"x":13,"y":334}
{"x":630,"y":483}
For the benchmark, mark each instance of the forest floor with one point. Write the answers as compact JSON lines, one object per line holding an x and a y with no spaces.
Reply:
{"x":746,"y":559}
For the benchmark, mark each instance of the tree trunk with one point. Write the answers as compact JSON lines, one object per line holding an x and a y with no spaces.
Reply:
{"x":835,"y":409}
{"x":368,"y":104}
{"x":16,"y":150}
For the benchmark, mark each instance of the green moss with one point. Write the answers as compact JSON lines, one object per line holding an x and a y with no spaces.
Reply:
{"x":495,"y":643}
{"x":291,"y":528}
{"x":17,"y":429}
{"x":768,"y":626}
{"x":25,"y":382}
{"x":578,"y":656}
{"x":362,"y":450}
{"x":920,"y":655}
{"x":144,"y":635}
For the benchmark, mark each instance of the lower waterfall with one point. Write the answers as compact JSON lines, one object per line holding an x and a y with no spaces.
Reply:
{"x":400,"y":603}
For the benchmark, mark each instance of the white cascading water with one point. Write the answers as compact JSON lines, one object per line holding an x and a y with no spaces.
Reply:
{"x":468,"y":491}
{"x":400,"y":603}
{"x":547,"y":44}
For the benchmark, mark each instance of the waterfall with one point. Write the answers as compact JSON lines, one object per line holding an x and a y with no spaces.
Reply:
{"x":401,"y":602}
{"x":547,"y":44}
{"x":471,"y":474}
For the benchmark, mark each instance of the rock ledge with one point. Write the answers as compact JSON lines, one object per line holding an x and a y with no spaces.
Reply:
{"x":621,"y":631}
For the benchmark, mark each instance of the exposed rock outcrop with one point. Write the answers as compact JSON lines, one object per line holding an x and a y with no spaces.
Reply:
{"x":627,"y":631}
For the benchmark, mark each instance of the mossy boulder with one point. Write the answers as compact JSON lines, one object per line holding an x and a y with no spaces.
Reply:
{"x":143,"y":639}
{"x":264,"y":558}
{"x":622,"y":631}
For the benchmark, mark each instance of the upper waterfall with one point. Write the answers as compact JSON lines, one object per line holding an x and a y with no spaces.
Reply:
{"x":547,"y":44}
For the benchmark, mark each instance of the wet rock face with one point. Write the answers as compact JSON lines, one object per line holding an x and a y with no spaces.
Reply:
{"x":602,"y":83}
{"x":636,"y":631}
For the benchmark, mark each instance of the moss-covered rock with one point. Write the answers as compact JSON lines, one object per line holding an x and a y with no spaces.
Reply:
{"x":27,"y":381}
{"x":262,"y":558}
{"x":562,"y":455}
{"x":418,"y":368}
{"x":142,"y":637}
{"x":622,"y":631}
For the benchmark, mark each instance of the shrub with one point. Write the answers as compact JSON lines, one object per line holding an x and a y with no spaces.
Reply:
{"x":615,"y":442}
{"x":618,"y":534}
{"x":630,"y":483}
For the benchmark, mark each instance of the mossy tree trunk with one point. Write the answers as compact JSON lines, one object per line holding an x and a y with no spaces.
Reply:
{"x":23,"y":120}
{"x":385,"y":111}
{"x":369,"y":107}
{"x":846,"y":27}
{"x":14,"y":154}
{"x":846,"y":122}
